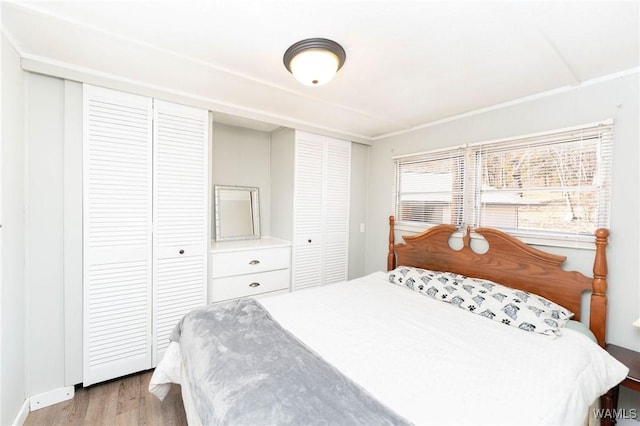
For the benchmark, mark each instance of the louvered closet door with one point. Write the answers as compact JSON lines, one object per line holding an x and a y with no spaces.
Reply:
{"x":337,"y":174}
{"x":117,"y":234}
{"x":180,"y":216}
{"x":308,"y":211}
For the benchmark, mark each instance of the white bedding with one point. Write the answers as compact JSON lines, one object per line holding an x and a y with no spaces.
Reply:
{"x":433,"y":363}
{"x":168,"y":371}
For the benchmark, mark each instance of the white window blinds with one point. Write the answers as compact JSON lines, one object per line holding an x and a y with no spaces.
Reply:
{"x":430,"y":187}
{"x":554,"y":185}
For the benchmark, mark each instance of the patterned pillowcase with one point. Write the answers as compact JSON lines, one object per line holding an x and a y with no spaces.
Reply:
{"x":516,"y":308}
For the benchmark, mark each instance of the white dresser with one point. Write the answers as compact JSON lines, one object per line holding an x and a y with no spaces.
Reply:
{"x":249,"y":268}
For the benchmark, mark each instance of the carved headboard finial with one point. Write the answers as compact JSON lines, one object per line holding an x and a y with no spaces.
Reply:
{"x":466,"y":239}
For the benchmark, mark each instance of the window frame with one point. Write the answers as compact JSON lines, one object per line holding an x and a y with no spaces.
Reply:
{"x":471,"y":203}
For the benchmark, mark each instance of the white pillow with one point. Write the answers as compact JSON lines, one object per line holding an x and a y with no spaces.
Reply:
{"x":516,"y":308}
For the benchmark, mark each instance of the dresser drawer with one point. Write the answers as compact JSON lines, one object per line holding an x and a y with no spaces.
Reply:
{"x":248,"y":285}
{"x":242,"y":262}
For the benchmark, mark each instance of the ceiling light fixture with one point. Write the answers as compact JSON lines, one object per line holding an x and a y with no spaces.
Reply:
{"x":314,"y":61}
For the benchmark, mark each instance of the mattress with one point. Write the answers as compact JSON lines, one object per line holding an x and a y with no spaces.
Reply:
{"x":433,"y":363}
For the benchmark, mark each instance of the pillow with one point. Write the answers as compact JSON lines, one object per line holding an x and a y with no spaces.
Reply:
{"x":582,"y":329}
{"x":516,"y":308}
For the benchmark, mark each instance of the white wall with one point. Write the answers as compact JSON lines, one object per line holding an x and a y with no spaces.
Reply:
{"x":13,"y":381}
{"x":358,"y":209}
{"x":72,"y":232}
{"x":282,"y":176}
{"x":240,"y":157}
{"x":44,"y":221}
{"x":617,"y":99}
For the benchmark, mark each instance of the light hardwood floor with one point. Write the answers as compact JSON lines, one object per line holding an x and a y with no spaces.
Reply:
{"x":124,"y":401}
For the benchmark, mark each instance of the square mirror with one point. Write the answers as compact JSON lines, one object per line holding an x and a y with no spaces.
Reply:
{"x":237,"y":213}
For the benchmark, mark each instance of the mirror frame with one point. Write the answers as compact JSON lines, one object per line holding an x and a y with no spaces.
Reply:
{"x":254,"y":195}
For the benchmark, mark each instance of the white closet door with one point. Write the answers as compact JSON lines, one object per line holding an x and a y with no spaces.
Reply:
{"x":337,"y":174}
{"x":180,"y":216}
{"x":308,"y":210}
{"x":117,"y":243}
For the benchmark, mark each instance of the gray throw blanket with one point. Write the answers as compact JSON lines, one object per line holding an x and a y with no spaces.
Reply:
{"x":245,"y":369}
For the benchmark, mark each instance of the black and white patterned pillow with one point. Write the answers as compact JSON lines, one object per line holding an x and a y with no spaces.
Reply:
{"x":512,"y":307}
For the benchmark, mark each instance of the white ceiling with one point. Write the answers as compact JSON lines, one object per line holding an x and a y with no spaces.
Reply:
{"x":408,"y":63}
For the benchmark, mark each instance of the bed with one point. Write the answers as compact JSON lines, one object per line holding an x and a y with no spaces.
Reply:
{"x":396,"y":347}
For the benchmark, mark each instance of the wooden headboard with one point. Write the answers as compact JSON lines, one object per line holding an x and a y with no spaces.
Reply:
{"x":510,"y":262}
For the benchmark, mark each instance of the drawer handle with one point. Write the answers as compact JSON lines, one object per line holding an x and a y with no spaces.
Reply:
{"x":254,"y":284}
{"x":181,"y":251}
{"x":254,"y":262}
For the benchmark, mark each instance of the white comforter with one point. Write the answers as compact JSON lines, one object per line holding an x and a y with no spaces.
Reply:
{"x":433,"y":363}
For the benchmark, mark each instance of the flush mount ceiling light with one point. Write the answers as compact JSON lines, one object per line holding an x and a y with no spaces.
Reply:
{"x":314,"y":61}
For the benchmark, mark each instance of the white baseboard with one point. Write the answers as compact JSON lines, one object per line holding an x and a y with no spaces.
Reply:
{"x":21,"y":417}
{"x":52,"y":397}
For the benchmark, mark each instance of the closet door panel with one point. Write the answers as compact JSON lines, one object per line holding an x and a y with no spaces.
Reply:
{"x":321,"y":210}
{"x":308,"y":188}
{"x":180,"y":216}
{"x":117,"y":242}
{"x":308,"y":211}
{"x":337,"y":173}
{"x":178,"y":288}
{"x":307,"y":266}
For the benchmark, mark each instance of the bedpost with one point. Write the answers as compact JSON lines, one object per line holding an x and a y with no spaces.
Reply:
{"x":598,"y":311}
{"x":391,"y":256}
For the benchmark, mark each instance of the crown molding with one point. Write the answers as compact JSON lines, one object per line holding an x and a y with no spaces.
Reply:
{"x":568,"y":88}
{"x":35,"y":64}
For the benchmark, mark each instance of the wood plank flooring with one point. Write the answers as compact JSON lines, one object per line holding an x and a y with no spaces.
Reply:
{"x":125,"y":401}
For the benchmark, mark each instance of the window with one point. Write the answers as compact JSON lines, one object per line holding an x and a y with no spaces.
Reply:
{"x":554,"y":185}
{"x":430,"y":187}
